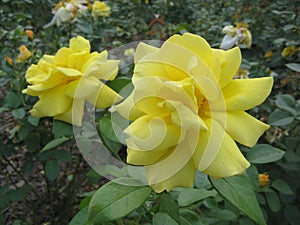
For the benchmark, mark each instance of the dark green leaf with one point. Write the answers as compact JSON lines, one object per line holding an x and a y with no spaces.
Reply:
{"x":54,"y":143}
{"x":114,"y":200}
{"x":263,"y":153}
{"x":162,"y":218}
{"x":63,"y":155}
{"x":282,"y":186}
{"x":170,"y":206}
{"x":292,"y":214}
{"x":286,"y":102}
{"x":61,"y":129}
{"x":191,"y":216}
{"x":273,"y":200}
{"x":33,"y":120}
{"x":238,"y":191}
{"x":106,"y":129}
{"x":18,"y":194}
{"x":119,"y":83}
{"x":32,"y":142}
{"x":188,"y":196}
{"x":52,"y":169}
{"x":12,"y":100}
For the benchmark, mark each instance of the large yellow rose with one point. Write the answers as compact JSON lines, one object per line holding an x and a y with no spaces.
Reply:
{"x":63,"y":82}
{"x":188,"y":111}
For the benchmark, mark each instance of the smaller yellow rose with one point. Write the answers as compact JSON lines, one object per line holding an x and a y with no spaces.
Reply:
{"x":100,"y":9}
{"x":63,"y":82}
{"x":289,"y":51}
{"x":24,"y":54}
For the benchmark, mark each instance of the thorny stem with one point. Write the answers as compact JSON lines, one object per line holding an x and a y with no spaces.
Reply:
{"x":20,"y":174}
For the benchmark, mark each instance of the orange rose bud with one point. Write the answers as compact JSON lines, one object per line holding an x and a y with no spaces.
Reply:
{"x":263,"y":179}
{"x":9,"y":60}
{"x":29,"y":34}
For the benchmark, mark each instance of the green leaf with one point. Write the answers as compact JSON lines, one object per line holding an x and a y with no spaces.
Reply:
{"x":63,"y":155}
{"x":280,"y":118}
{"x":119,"y":83}
{"x":281,"y":186}
{"x":238,"y":191}
{"x":191,"y":217}
{"x":162,"y":218}
{"x":273,"y":200}
{"x":286,"y":102}
{"x":170,"y":206}
{"x":61,"y":129}
{"x":294,"y":66}
{"x":12,"y":100}
{"x":81,"y":217}
{"x":222,"y":214}
{"x":188,"y":196}
{"x":19,"y":113}
{"x":263,"y":153}
{"x":33,"y":120}
{"x":54,"y":143}
{"x":32,"y":142}
{"x":114,"y":200}
{"x":106,"y":129}
{"x":18,"y":194}
{"x":52,"y":169}
{"x":292,"y":214}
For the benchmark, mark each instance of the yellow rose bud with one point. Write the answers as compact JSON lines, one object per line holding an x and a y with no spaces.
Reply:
{"x":100,"y":9}
{"x":263,"y":179}
{"x":63,"y":82}
{"x":188,"y":112}
{"x":29,"y":34}
{"x":24,"y":54}
{"x":289,"y":51}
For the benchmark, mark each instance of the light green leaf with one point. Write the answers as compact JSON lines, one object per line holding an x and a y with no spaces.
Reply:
{"x":162,"y":218}
{"x":294,"y":66}
{"x":286,"y":102}
{"x":282,"y":186}
{"x":114,"y":200}
{"x":263,"y":153}
{"x":54,"y":143}
{"x":191,"y":217}
{"x":280,"y":118}
{"x":18,"y":113}
{"x":80,"y":218}
{"x":12,"y":100}
{"x":238,"y":191}
{"x":188,"y":196}
{"x":222,"y":214}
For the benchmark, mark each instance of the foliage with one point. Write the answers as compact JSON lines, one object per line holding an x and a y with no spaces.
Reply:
{"x":44,"y":179}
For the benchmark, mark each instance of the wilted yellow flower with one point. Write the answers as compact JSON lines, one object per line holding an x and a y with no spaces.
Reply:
{"x":263,"y":179}
{"x":100,"y":9}
{"x":289,"y":51}
{"x":268,"y":55}
{"x":242,"y":73}
{"x":66,"y":10}
{"x":63,"y":82}
{"x":24,"y":54}
{"x":188,"y":111}
{"x":129,"y":52}
{"x":238,"y":35}
{"x":29,"y":34}
{"x":9,"y":60}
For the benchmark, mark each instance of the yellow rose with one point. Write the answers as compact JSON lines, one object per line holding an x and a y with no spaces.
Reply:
{"x":24,"y":54}
{"x":100,"y":9}
{"x":289,"y":51}
{"x":188,"y":111}
{"x":63,"y":82}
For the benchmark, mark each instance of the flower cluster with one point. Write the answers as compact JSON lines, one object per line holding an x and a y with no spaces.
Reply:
{"x":238,"y":35}
{"x":63,"y":82}
{"x":188,"y":111}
